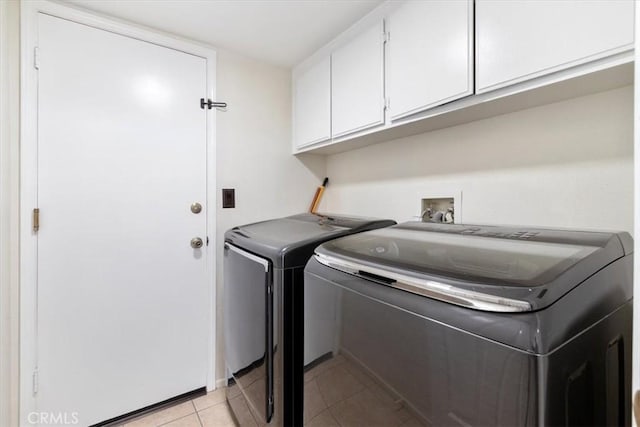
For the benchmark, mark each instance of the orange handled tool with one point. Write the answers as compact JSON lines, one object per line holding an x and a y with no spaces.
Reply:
{"x":316,"y":198}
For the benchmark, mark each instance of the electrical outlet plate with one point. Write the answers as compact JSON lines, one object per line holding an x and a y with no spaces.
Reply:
{"x":441,"y":202}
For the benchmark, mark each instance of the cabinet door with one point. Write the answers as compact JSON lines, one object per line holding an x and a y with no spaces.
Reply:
{"x":519,"y":39}
{"x":312,"y":104}
{"x":430,"y":55}
{"x":357,"y":83}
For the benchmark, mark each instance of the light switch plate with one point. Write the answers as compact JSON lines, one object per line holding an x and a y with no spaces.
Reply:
{"x":228,"y":198}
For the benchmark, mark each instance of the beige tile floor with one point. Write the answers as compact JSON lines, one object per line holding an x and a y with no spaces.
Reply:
{"x":337,"y":393}
{"x":210,"y":410}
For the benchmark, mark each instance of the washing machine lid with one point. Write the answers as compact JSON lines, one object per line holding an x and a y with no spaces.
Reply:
{"x":290,"y":241}
{"x":501,"y":269}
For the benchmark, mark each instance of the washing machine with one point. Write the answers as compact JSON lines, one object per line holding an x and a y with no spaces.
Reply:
{"x":263,"y":311}
{"x":458,"y":325}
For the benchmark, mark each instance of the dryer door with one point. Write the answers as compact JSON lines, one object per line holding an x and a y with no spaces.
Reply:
{"x":248,"y":297}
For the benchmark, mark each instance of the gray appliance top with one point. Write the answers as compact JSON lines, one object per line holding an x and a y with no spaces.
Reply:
{"x":504,"y":269}
{"x":290,"y":241}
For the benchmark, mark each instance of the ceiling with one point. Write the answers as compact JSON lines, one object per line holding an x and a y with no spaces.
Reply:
{"x":281,"y":32}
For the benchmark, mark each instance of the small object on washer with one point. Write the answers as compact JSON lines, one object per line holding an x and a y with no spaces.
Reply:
{"x":318,"y":196}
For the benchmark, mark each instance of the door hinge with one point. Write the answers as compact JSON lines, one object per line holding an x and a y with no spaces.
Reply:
{"x":387,"y":103}
{"x":36,"y":58}
{"x":36,"y":220}
{"x":386,"y":36}
{"x":210,"y":104}
{"x":35,"y":381}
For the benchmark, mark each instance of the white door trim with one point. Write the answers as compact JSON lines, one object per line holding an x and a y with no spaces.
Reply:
{"x":28,"y":175}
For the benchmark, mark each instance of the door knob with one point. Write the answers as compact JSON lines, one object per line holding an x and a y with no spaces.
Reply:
{"x":196,"y":207}
{"x":196,"y":243}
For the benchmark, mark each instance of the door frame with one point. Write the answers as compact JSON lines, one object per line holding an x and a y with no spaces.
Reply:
{"x":28,"y":174}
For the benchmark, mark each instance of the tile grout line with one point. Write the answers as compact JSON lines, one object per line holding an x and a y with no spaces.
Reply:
{"x":197,"y":414}
{"x":209,"y":406}
{"x":179,"y":418}
{"x":169,"y":422}
{"x":253,"y":416}
{"x":326,"y":407}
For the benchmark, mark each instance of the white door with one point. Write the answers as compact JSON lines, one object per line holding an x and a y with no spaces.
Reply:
{"x":312,"y":104}
{"x":430,"y":55}
{"x":357,"y":83}
{"x":122,"y":308}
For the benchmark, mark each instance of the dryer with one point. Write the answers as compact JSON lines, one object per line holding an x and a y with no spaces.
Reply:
{"x":263,"y":311}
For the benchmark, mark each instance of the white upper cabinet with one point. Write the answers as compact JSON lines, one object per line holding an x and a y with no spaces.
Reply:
{"x":357,"y":80}
{"x":430,"y":55}
{"x":440,"y":59}
{"x":312,"y":104}
{"x":519,"y":39}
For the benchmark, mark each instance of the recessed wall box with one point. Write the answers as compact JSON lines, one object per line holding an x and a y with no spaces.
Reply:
{"x":438,"y":209}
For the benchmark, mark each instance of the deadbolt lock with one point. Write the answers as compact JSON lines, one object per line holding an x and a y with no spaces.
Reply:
{"x":196,"y":207}
{"x":196,"y":243}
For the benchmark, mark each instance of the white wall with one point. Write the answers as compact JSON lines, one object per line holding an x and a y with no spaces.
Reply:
{"x":254,"y":155}
{"x":9,"y":211}
{"x":568,"y":164}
